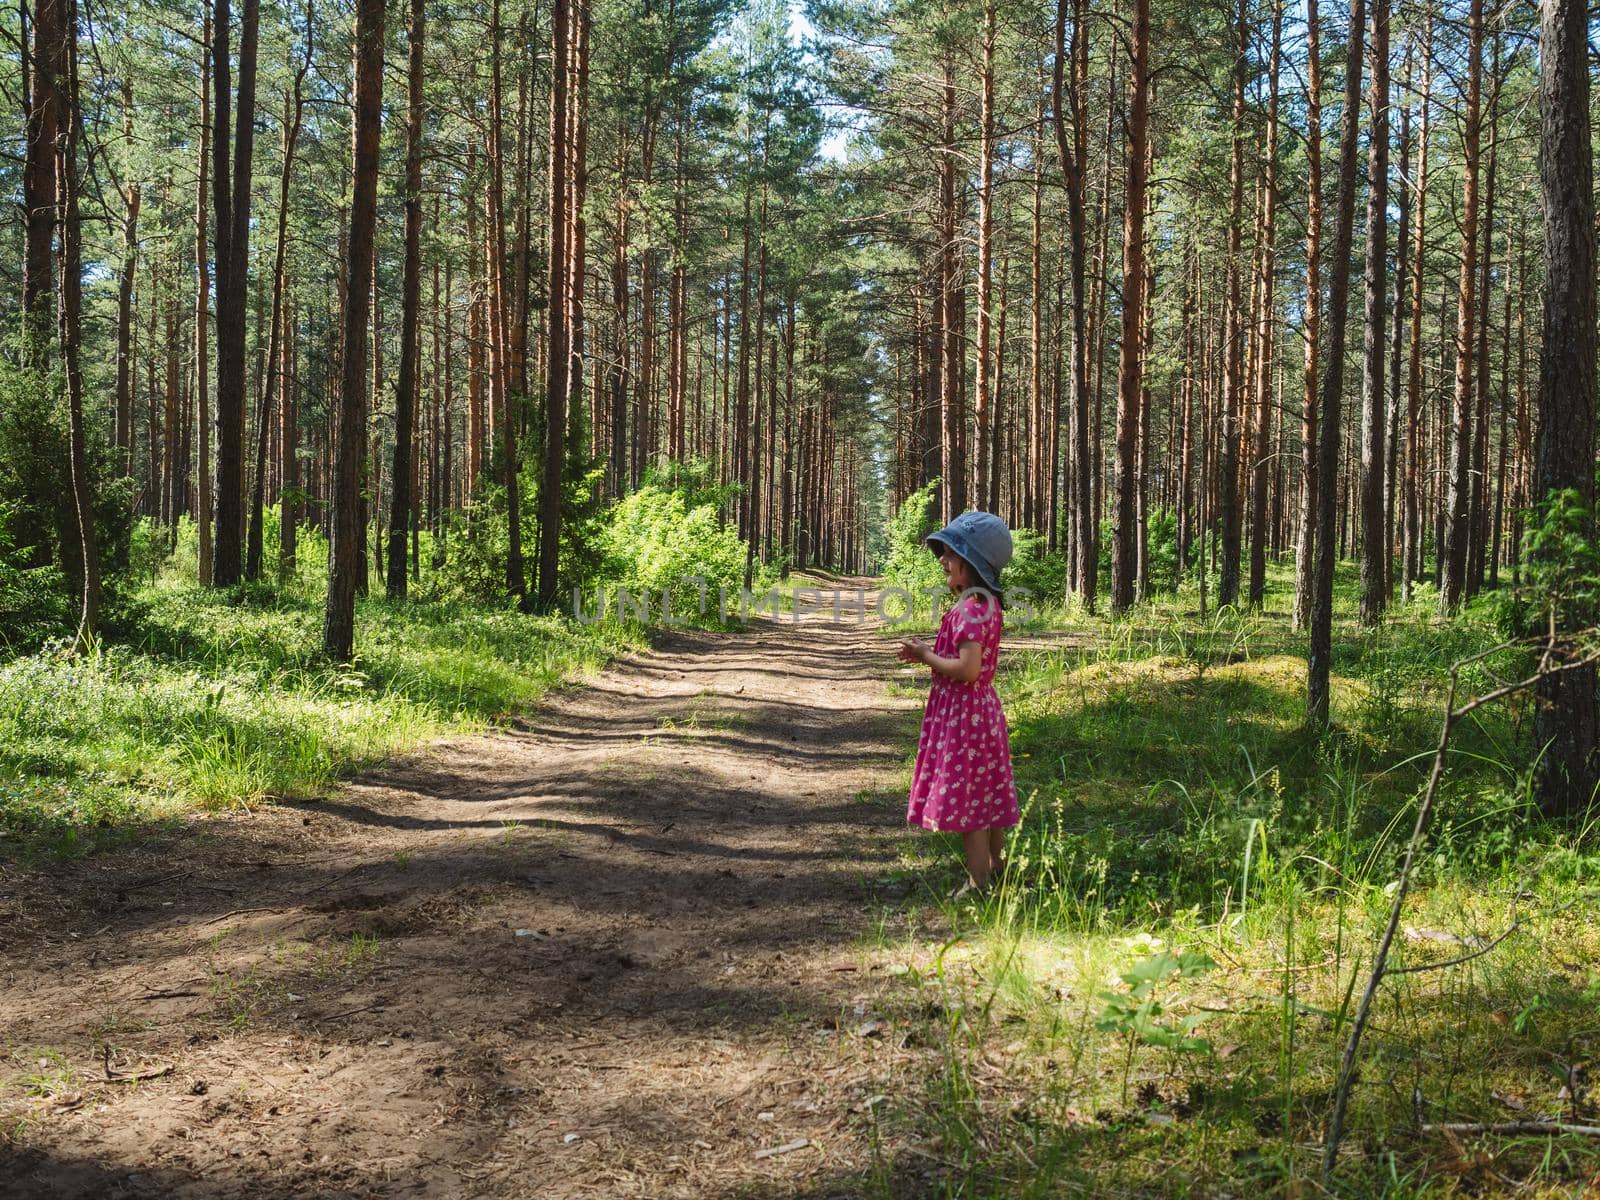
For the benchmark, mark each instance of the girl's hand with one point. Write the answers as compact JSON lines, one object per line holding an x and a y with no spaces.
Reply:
{"x":913,"y":650}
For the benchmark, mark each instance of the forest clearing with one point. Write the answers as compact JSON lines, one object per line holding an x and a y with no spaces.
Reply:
{"x":353,"y":357}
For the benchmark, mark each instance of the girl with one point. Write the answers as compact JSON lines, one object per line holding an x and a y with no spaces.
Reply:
{"x":962,"y":782}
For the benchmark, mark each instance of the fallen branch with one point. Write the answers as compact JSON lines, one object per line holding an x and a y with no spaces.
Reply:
{"x":350,"y":1012}
{"x":238,"y":912}
{"x":116,"y":1076}
{"x":150,"y":883}
{"x":1513,"y":1128}
{"x":1380,"y":961}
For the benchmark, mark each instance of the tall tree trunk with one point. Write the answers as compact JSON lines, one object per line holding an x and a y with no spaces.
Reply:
{"x":202,"y":348}
{"x":1305,"y":546}
{"x":1458,"y":502}
{"x":1397,"y":329}
{"x":233,"y":259}
{"x":1566,"y":721}
{"x":1260,"y":459}
{"x":289,"y":493}
{"x":39,"y":178}
{"x":1035,"y":502}
{"x":1083,"y":534}
{"x":476,"y":288}
{"x":953,"y":488}
{"x":131,"y":197}
{"x":1411,"y":504}
{"x":293,"y":113}
{"x":1478,"y":520}
{"x":65,"y":68}
{"x":408,"y":392}
{"x":505,"y":400}
{"x":1318,"y":661}
{"x":1374,"y":411}
{"x":1123,"y":546}
{"x":1233,"y":336}
{"x":983,"y":396}
{"x":344,"y":561}
{"x":557,"y":380}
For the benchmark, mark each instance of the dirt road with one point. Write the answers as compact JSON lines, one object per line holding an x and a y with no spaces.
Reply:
{"x":617,"y":950}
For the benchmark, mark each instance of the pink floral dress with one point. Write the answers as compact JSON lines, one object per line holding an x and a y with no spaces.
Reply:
{"x":962,"y":780}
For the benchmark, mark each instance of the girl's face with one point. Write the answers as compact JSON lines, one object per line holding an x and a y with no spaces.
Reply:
{"x":957,"y":573}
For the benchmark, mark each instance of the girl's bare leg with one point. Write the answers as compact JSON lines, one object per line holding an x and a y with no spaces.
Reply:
{"x":976,"y":846}
{"x":997,"y":850}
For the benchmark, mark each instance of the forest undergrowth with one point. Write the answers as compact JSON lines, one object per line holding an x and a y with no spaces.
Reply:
{"x":1155,"y":998}
{"x":207,"y":698}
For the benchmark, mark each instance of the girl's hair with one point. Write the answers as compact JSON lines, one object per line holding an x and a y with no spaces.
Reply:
{"x":981,"y":588}
{"x":979,"y":585}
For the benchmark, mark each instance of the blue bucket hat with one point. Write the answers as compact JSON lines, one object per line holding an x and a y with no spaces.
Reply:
{"x":982,"y":539}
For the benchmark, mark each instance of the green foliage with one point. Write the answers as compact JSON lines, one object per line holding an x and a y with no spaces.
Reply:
{"x":223,"y":699}
{"x":910,"y":564}
{"x":670,"y":531}
{"x":1172,"y":798}
{"x":40,"y":569}
{"x":1161,"y":548}
{"x":34,"y":604}
{"x":1136,"y":1012}
{"x":474,"y":569}
{"x":1041,"y":572}
{"x":1561,"y":564}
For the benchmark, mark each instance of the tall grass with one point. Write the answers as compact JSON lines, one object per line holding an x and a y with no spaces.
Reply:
{"x":1174,"y":803}
{"x":225,"y":699}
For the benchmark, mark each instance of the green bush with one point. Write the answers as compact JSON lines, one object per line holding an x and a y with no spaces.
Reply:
{"x":1161,"y":549}
{"x":910,"y":564}
{"x":1041,"y":572}
{"x":658,"y":537}
{"x":34,"y":604}
{"x":40,"y":569}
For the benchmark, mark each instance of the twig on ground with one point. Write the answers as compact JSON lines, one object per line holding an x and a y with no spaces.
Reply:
{"x":150,"y":883}
{"x":116,"y":1076}
{"x":350,"y":1012}
{"x":1380,"y":961}
{"x":1513,"y":1128}
{"x":238,"y":912}
{"x":336,"y":878}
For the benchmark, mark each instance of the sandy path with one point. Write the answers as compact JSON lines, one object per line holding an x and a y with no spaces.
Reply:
{"x":347,"y":1007}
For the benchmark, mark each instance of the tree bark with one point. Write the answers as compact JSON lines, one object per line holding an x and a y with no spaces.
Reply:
{"x":1233,"y":338}
{"x":1124,"y":547}
{"x":65,"y":69}
{"x":1305,"y":547}
{"x":202,"y":350}
{"x":1082,"y":533}
{"x":131,"y":196}
{"x":1374,"y":412}
{"x":557,"y":365}
{"x":1268,"y":317}
{"x":1411,"y":502}
{"x":1566,"y":721}
{"x":408,"y":391}
{"x":40,"y":176}
{"x":344,"y":562}
{"x":1317,"y":664}
{"x":233,"y":261}
{"x":1458,"y":532}
{"x":294,"y":111}
{"x":983,"y":395}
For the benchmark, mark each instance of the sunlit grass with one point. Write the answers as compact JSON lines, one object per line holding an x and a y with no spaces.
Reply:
{"x":1175,"y":803}
{"x":219,"y":700}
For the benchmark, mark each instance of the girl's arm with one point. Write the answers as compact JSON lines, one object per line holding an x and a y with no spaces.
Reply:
{"x":964,"y":669}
